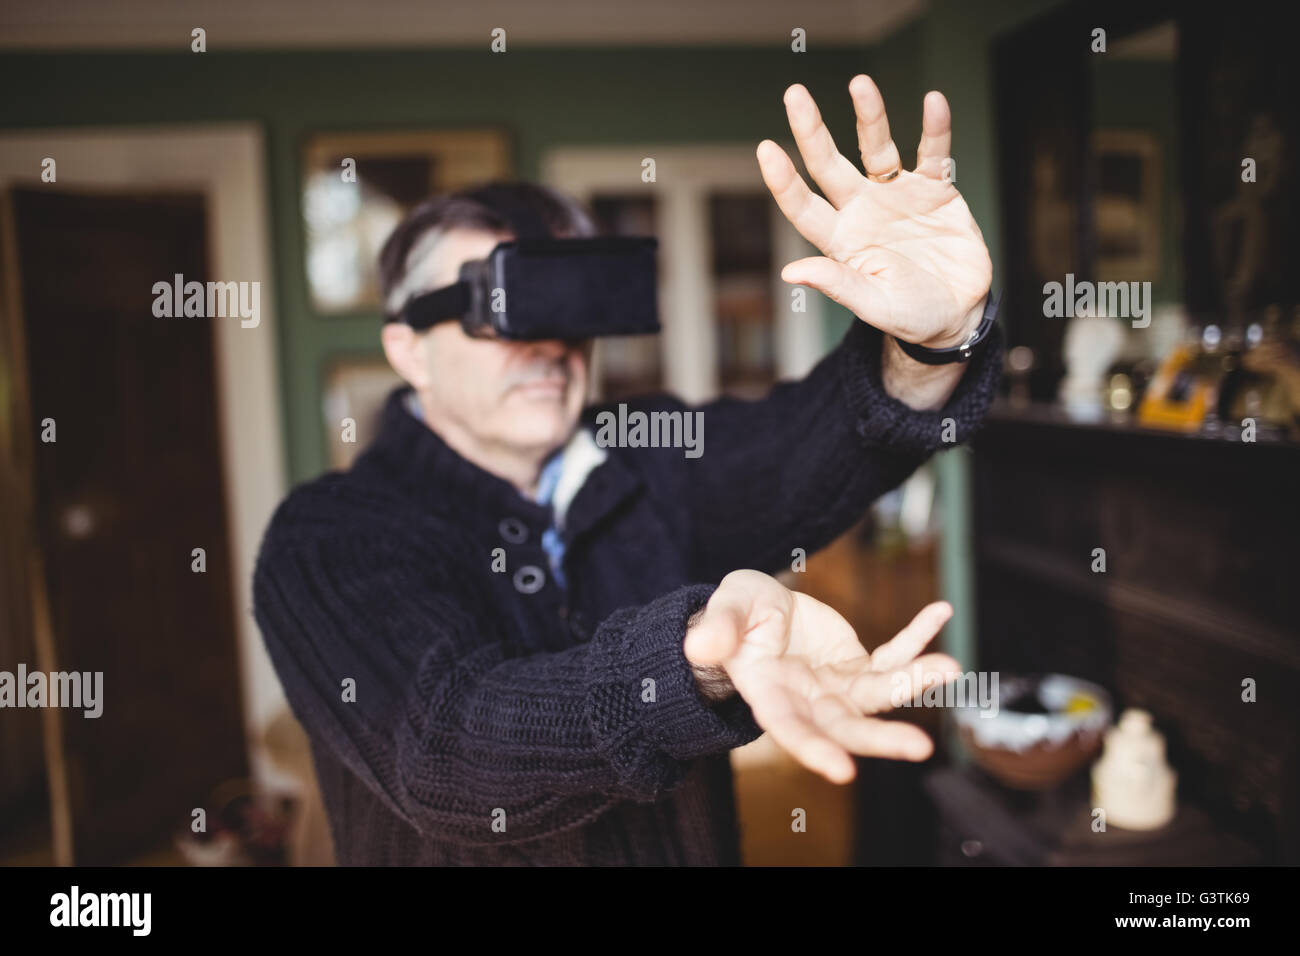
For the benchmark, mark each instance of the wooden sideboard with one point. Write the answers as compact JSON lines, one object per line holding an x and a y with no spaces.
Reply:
{"x":1200,"y":593}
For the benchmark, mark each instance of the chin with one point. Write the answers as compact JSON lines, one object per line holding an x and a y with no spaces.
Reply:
{"x":547,"y":425}
{"x":544,"y":412}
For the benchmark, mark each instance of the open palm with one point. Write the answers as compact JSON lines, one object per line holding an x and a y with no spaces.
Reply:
{"x":904,"y":255}
{"x":807,"y":679}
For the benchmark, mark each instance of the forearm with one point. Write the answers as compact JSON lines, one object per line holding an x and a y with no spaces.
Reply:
{"x":915,"y":384}
{"x":798,"y":468}
{"x":788,"y":471}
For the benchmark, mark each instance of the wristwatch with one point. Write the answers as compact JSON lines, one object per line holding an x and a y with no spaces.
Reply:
{"x":958,"y":353}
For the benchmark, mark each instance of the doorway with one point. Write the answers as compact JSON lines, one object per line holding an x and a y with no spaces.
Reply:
{"x":225,"y":165}
{"x":127,"y":512}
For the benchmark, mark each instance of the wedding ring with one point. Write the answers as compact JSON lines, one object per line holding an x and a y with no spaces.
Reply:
{"x":886,"y":177}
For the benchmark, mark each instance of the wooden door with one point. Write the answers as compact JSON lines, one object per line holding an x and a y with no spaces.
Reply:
{"x":130,"y":486}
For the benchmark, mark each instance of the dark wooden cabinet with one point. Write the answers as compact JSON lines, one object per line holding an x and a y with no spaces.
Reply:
{"x":1200,"y":594}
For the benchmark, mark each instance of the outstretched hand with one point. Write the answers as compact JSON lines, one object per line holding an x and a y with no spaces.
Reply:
{"x":808,"y":680}
{"x":905,"y":255}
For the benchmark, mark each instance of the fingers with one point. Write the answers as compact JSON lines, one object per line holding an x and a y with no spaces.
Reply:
{"x":879,"y":154}
{"x":910,"y":641}
{"x":875,"y":692}
{"x":838,"y":178}
{"x":936,"y":136}
{"x":784,"y":714}
{"x":810,"y":214}
{"x":868,"y":736}
{"x":823,"y":736}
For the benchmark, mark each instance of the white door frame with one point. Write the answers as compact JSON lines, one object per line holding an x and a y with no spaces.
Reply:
{"x":685,"y":177}
{"x":224,"y":161}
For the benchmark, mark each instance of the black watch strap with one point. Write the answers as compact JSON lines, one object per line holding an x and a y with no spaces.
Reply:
{"x":958,"y":353}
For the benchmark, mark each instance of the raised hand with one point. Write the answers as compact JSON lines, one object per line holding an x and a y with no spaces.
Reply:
{"x":808,"y":680}
{"x":903,"y":254}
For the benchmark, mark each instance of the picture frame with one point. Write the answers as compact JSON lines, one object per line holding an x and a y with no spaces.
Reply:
{"x":357,"y":185}
{"x":354,"y":388}
{"x":1126,"y":204}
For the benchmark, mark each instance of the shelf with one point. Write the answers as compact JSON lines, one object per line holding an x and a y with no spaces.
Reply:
{"x":1045,"y":415}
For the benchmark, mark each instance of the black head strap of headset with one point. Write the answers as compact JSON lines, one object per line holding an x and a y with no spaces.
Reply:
{"x":454,"y":300}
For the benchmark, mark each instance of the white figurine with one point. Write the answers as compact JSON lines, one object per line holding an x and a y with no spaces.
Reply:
{"x":1092,"y":343}
{"x":1132,"y":781}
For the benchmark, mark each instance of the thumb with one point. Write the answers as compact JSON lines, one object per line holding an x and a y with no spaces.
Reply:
{"x":717,"y":633}
{"x":856,"y":291}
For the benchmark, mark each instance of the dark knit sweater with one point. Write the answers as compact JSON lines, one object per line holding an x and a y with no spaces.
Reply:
{"x":493,"y":726}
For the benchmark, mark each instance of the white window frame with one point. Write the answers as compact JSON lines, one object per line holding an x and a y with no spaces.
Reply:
{"x":685,"y":178}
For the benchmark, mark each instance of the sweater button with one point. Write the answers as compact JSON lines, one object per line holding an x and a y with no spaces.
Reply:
{"x":529,"y":579}
{"x":513,"y":530}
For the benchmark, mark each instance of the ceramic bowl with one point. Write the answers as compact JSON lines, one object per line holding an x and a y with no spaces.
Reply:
{"x":1038,"y":732}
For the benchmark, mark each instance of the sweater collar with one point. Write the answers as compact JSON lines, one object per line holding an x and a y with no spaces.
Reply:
{"x":413,"y":459}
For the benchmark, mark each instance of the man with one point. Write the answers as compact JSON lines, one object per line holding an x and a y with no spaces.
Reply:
{"x":510,"y":644}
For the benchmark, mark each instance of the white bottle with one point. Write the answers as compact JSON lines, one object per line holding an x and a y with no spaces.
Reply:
{"x":1132,"y":781}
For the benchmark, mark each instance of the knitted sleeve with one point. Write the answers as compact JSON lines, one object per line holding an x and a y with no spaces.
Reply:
{"x":387,"y":661}
{"x":799,"y":466}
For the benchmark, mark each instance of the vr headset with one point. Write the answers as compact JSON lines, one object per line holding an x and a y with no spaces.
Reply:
{"x":538,"y":287}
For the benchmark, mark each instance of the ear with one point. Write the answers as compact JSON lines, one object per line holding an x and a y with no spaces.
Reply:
{"x":405,"y":350}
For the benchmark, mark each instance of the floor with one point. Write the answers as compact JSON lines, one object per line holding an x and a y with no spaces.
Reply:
{"x":31,"y":846}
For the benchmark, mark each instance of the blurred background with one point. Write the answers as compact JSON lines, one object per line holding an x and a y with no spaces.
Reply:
{"x":1120,"y":540}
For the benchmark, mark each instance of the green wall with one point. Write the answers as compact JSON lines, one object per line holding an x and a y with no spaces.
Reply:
{"x":542,"y":97}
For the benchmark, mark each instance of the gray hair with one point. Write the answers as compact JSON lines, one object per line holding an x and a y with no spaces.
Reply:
{"x":406,"y":260}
